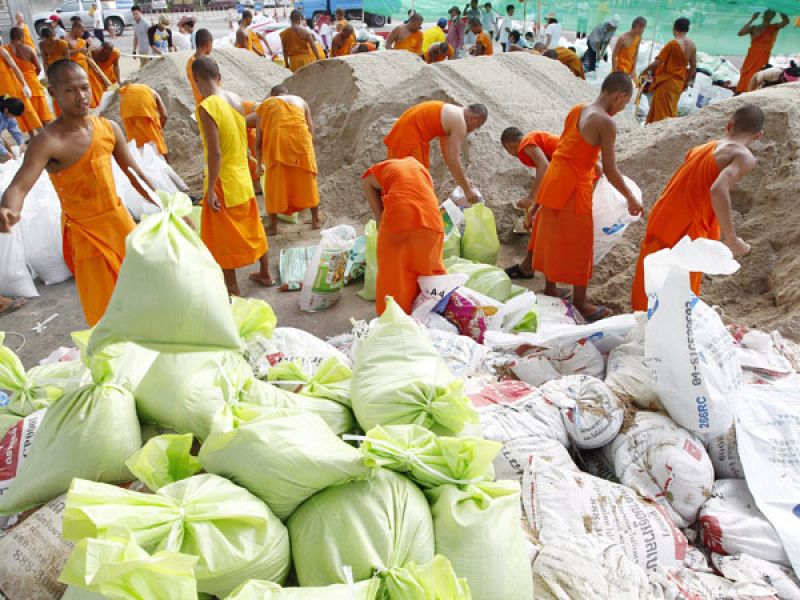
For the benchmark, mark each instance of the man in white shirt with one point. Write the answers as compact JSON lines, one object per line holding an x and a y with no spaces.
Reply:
{"x":182,"y":39}
{"x":98,"y":21}
{"x":505,"y":27}
{"x":552,"y":33}
{"x":489,"y":20}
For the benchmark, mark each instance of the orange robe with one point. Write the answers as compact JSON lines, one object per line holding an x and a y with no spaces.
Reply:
{"x":757,"y":56}
{"x":412,"y":133}
{"x":10,"y":85}
{"x":441,"y":57}
{"x":98,"y":87}
{"x":198,"y":98}
{"x":411,"y":233}
{"x":547,"y":143}
{"x":58,"y":50}
{"x":139,"y":113}
{"x":484,"y":40}
{"x":668,"y":84}
{"x":564,"y":232}
{"x":412,"y":43}
{"x":107,"y":66}
{"x":344,"y":49}
{"x":234,"y":235}
{"x":296,"y":51}
{"x":626,"y":57}
{"x":26,"y":37}
{"x":684,"y":208}
{"x":570,"y":60}
{"x":287,"y":151}
{"x":94,"y":220}
{"x":38,"y":99}
{"x":369,"y":46}
{"x":253,"y":43}
{"x":249,"y":107}
{"x":340,"y":25}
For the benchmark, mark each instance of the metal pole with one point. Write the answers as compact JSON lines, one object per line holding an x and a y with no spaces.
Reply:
{"x":655,"y":29}
{"x":539,"y":19}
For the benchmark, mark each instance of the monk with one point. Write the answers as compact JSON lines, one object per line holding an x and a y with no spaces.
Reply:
{"x":762,"y":39}
{"x":79,"y":52}
{"x":143,"y":115}
{"x":12,"y":83}
{"x":28,"y":63}
{"x":407,"y":36}
{"x":670,"y":73}
{"x":52,"y":48}
{"x":343,"y":41}
{"x":299,"y":44}
{"x":107,"y":58}
{"x":230,"y":224}
{"x":439,"y":52}
{"x":412,"y":133}
{"x":697,"y":200}
{"x":361,"y":47}
{"x":410,"y":229}
{"x":341,"y":20}
{"x":535,"y":150}
{"x":285,"y":146}
{"x":248,"y":39}
{"x":76,"y":149}
{"x":19,"y":18}
{"x":568,"y":58}
{"x":204,"y":43}
{"x":483,"y":42}
{"x":251,"y":120}
{"x":626,"y":50}
{"x":563,"y":247}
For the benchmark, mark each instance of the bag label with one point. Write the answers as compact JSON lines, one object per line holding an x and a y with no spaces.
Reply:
{"x":15,"y":447}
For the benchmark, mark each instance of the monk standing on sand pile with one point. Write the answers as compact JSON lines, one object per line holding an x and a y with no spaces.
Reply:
{"x":285,"y":146}
{"x":143,"y":116}
{"x":230,"y":224}
{"x":410,"y":230}
{"x":76,"y":149}
{"x":564,"y":234}
{"x":412,"y":133}
{"x":204,"y":43}
{"x":299,"y":44}
{"x":626,"y":50}
{"x":28,"y":63}
{"x":763,"y":38}
{"x":670,"y":73}
{"x":697,"y":200}
{"x":408,"y":36}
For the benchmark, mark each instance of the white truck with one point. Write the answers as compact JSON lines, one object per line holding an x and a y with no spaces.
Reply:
{"x":115,"y":19}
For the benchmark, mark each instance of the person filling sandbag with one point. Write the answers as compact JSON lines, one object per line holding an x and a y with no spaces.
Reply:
{"x":399,"y":378}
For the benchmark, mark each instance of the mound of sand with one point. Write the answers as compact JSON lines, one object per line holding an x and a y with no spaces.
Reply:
{"x":242,"y":72}
{"x":766,"y":291}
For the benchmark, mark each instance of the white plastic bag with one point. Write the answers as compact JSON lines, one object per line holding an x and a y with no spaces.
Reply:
{"x":326,"y":273}
{"x":697,"y":372}
{"x":15,"y":279}
{"x":610,"y":215}
{"x":432,"y":289}
{"x":724,"y":454}
{"x":744,"y":567}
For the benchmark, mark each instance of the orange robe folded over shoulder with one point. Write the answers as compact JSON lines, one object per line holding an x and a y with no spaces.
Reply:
{"x":9,"y":84}
{"x":684,"y":208}
{"x":484,"y":40}
{"x":546,"y":142}
{"x":668,"y":84}
{"x":627,"y":55}
{"x":570,"y":60}
{"x":288,"y":157}
{"x":38,"y":99}
{"x":442,"y":57}
{"x":344,"y":49}
{"x":412,"y":133}
{"x":412,"y":42}
{"x":411,"y":233}
{"x":139,"y":113}
{"x":757,"y":56}
{"x":234,"y":235}
{"x":98,"y":87}
{"x":296,"y":51}
{"x":107,"y":66}
{"x":53,"y":51}
{"x":198,"y":98}
{"x":564,"y":234}
{"x":95,"y":222}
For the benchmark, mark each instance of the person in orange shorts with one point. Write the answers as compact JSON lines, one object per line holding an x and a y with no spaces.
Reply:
{"x":298,"y":43}
{"x":230,"y":224}
{"x":407,"y":36}
{"x":410,"y":229}
{"x":107,"y":58}
{"x":76,"y":149}
{"x":670,"y":74}
{"x":483,"y":42}
{"x":626,"y":50}
{"x":697,"y":200}
{"x":439,"y":52}
{"x":143,"y":116}
{"x":204,"y":44}
{"x":412,"y":133}
{"x":762,"y":40}
{"x":28,"y":63}
{"x":564,"y":236}
{"x":343,"y":41}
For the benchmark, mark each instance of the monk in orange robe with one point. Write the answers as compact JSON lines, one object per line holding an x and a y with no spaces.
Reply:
{"x":299,"y":44}
{"x":568,"y":58}
{"x":28,"y":63}
{"x":626,"y":49}
{"x":762,"y":41}
{"x":412,"y":133}
{"x":79,"y":52}
{"x":341,"y":20}
{"x":363,"y":47}
{"x":19,"y":18}
{"x":564,"y":234}
{"x":52,"y":48}
{"x":483,"y":43}
{"x":343,"y":41}
{"x":439,"y":52}
{"x":12,"y":83}
{"x":251,"y":119}
{"x":408,"y":36}
{"x":247,"y":39}
{"x":697,"y":200}
{"x":670,"y":74}
{"x":143,"y":115}
{"x":285,"y":146}
{"x":410,"y":229}
{"x":204,"y":43}
{"x":77,"y":149}
{"x":107,"y":58}
{"x":230,"y":224}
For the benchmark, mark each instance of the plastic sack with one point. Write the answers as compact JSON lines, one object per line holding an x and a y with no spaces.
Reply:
{"x":356,"y":260}
{"x":558,"y":358}
{"x":724,"y":453}
{"x":483,"y":278}
{"x":371,"y":260}
{"x":451,"y":248}
{"x":399,"y":378}
{"x":464,"y":357}
{"x":130,"y":196}
{"x":128,"y":362}
{"x":432,"y":290}
{"x":380,"y":524}
{"x":232,"y":533}
{"x":470,"y":312}
{"x":629,"y":376}
{"x":518,"y":315}
{"x":15,"y":279}
{"x":330,"y":380}
{"x":610,"y":215}
{"x":283,"y":461}
{"x":254,"y":318}
{"x":164,"y":459}
{"x":697,"y":372}
{"x":480,"y":242}
{"x":326,"y":273}
{"x":170,"y":295}
{"x":292,"y":266}
{"x":266,"y":590}
{"x":746,"y":568}
{"x":437,"y":579}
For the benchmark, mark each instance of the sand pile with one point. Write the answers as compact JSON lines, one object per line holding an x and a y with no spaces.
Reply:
{"x":766,"y":291}
{"x":242,"y":72}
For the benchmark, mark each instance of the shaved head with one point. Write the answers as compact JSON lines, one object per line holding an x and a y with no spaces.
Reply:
{"x":205,"y":68}
{"x":551,"y":54}
{"x":617,"y":83}
{"x":279,"y":90}
{"x":296,"y":16}
{"x":748,"y":119}
{"x":203,"y":37}
{"x":16,"y":34}
{"x":539,"y":47}
{"x":510,"y":135}
{"x":60,"y":70}
{"x":480,"y":110}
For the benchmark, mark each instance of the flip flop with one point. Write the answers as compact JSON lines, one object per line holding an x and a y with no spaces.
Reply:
{"x":564,"y":294}
{"x":516,"y":272}
{"x":16,"y":304}
{"x":602,"y":312}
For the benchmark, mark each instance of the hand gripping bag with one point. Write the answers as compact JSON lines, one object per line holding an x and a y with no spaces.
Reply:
{"x":399,"y":378}
{"x":234,"y":535}
{"x":372,"y":526}
{"x":266,"y":590}
{"x":283,"y":461}
{"x":480,"y":242}
{"x":371,"y":254}
{"x":170,"y":295}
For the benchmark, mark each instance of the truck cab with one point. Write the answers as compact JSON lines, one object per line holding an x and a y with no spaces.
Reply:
{"x":116,"y":19}
{"x":353,"y":10}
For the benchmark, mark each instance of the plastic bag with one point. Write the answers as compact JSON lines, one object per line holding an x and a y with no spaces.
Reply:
{"x":452,"y":246}
{"x":371,"y":260}
{"x":610,"y":215}
{"x":437,"y":579}
{"x":232,"y":533}
{"x":266,"y":590}
{"x":518,"y":315}
{"x":325,"y":275}
{"x":399,"y":378}
{"x":480,"y":242}
{"x":374,"y":525}
{"x":356,"y":260}
{"x":483,"y":278}
{"x":164,"y":459}
{"x":253,"y":318}
{"x":432,"y":290}
{"x":15,"y":279}
{"x":629,"y":376}
{"x":170,"y":295}
{"x":330,"y":380}
{"x":470,"y":312}
{"x":293,"y":264}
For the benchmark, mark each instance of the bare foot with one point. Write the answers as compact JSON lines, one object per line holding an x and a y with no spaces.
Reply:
{"x":233,"y":290}
{"x":316,"y":224}
{"x":265,"y":280}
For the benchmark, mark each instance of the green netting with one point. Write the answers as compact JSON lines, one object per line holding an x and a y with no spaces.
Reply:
{"x":715,"y":23}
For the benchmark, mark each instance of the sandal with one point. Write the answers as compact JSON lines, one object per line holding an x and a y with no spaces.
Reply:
{"x":516,"y":272}
{"x":602,"y":312}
